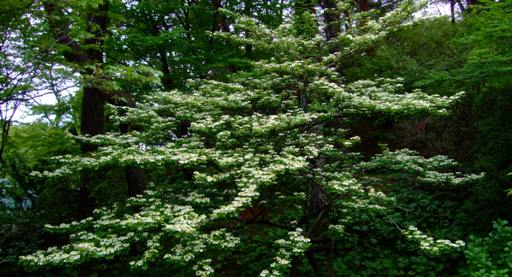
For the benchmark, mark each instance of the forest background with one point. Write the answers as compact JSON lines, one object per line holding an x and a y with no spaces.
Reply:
{"x":233,"y":138}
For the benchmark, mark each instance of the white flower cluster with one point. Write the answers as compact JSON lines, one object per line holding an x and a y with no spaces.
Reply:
{"x":430,"y":245}
{"x":203,"y":268}
{"x":248,"y":137}
{"x":296,"y":244}
{"x":429,"y":171}
{"x":195,"y":245}
{"x":253,"y":177}
{"x":382,"y":96}
{"x":86,"y":247}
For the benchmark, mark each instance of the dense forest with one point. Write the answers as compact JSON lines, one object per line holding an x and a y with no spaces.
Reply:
{"x":255,"y":138}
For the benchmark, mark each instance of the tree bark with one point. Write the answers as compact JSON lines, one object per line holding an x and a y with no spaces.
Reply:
{"x":92,"y":115}
{"x":452,"y":10}
{"x":331,"y":19}
{"x":220,"y":22}
{"x":363,"y":5}
{"x":248,"y":6}
{"x":330,"y":261}
{"x":166,"y":70}
{"x":135,"y":176}
{"x":91,"y":123}
{"x":135,"y":180}
{"x":87,"y":53}
{"x":294,"y":271}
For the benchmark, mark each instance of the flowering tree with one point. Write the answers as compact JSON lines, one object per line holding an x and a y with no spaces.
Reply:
{"x":264,"y":180}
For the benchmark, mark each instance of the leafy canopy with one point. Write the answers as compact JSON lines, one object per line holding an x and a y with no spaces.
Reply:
{"x":265,"y":148}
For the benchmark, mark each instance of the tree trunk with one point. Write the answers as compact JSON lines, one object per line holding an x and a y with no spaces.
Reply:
{"x":220,"y":22}
{"x":166,"y":76}
{"x":248,"y":6}
{"x":135,"y":180}
{"x":135,"y":177}
{"x":91,"y":123}
{"x":331,"y":19}
{"x":452,"y":10}
{"x":363,"y":5}
{"x":87,"y":53}
{"x":92,"y":115}
{"x":294,"y":271}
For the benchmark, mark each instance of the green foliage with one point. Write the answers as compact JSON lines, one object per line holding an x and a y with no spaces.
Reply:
{"x":241,"y":115}
{"x":31,"y":147}
{"x":489,"y":60}
{"x":249,"y":174}
{"x":420,"y":53}
{"x":37,"y":153}
{"x":485,"y":71}
{"x":25,"y":154}
{"x":444,"y":58}
{"x":304,"y":22}
{"x":490,"y":256}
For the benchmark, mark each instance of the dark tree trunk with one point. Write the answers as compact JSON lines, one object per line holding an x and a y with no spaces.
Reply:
{"x":314,"y":263}
{"x":303,"y":99}
{"x":452,"y":10}
{"x":331,"y":19}
{"x":92,"y":115}
{"x":90,"y":53}
{"x":135,"y":180}
{"x":93,"y":101}
{"x":248,"y":6}
{"x":135,"y":177}
{"x":346,"y":22}
{"x":294,"y":271}
{"x":317,"y":199}
{"x":166,"y":70}
{"x":330,"y":261}
{"x":220,"y":22}
{"x":363,"y":5}
{"x":91,"y":123}
{"x":87,"y":53}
